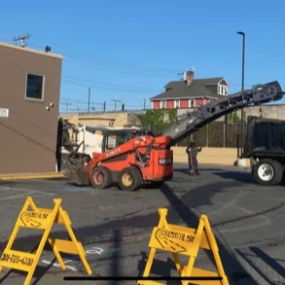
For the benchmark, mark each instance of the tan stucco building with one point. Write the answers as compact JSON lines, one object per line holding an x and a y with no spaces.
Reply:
{"x":108,"y":119}
{"x":29,"y":104}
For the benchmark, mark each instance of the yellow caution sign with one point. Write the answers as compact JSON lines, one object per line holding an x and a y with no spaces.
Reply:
{"x":42,"y":219}
{"x":185,"y":241}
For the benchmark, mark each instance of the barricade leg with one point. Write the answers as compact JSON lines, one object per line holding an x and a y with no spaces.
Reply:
{"x":57,"y":203}
{"x":215,"y":251}
{"x":148,"y":265}
{"x":57,"y":255}
{"x":178,"y":264}
{"x":16,"y":229}
{"x":79,"y":248}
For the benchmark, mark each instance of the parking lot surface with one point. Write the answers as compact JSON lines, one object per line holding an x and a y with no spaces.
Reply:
{"x":115,"y":226}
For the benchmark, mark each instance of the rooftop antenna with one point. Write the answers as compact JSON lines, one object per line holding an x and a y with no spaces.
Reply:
{"x":183,"y":74}
{"x":22,"y":39}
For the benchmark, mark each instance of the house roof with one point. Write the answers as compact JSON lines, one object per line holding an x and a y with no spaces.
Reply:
{"x":199,"y":88}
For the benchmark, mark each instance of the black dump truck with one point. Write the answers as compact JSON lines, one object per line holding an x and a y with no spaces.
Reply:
{"x":265,"y":146}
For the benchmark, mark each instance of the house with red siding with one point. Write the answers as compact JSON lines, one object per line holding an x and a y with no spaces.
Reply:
{"x":190,"y":92}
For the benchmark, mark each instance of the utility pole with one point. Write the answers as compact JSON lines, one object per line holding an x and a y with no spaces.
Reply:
{"x":115,"y":103}
{"x":22,"y":39}
{"x":89,"y":99}
{"x":66,"y":104}
{"x":144,"y":103}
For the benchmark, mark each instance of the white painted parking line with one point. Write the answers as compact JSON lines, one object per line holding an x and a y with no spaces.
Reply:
{"x":18,"y":189}
{"x":55,"y":264}
{"x":5,"y":189}
{"x":23,"y":195}
{"x":16,"y":196}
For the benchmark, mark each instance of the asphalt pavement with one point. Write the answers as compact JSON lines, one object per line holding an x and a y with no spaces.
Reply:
{"x":115,"y":226}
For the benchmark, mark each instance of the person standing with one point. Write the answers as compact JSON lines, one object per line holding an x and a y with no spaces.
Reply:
{"x":192,"y":151}
{"x":188,"y":151}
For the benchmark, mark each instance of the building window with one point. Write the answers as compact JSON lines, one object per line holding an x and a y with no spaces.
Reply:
{"x":191,"y":103}
{"x":222,"y":89}
{"x":177,"y":104}
{"x":163,"y":104}
{"x":34,"y":89}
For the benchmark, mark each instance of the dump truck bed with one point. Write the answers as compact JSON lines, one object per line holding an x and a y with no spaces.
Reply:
{"x":264,"y":138}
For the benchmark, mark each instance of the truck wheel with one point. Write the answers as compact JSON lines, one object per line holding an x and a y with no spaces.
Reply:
{"x":268,"y":172}
{"x":130,"y":179}
{"x":101,"y":177}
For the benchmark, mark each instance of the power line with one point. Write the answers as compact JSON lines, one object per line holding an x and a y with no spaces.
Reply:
{"x":66,"y":104}
{"x":115,"y":103}
{"x":116,"y":66}
{"x":106,"y":84}
{"x":97,"y":86}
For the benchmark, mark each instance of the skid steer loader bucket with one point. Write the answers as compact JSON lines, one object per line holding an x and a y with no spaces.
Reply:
{"x":77,"y":168}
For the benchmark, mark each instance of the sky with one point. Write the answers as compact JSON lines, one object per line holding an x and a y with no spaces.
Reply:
{"x":128,"y":50}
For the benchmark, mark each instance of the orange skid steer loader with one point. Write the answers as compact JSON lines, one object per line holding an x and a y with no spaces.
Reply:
{"x":143,"y":159}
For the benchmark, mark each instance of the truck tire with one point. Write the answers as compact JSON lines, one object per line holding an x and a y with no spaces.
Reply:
{"x":268,"y":172}
{"x":101,"y":177}
{"x":130,"y":179}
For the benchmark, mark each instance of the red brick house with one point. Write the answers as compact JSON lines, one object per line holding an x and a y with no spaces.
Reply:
{"x":190,"y":93}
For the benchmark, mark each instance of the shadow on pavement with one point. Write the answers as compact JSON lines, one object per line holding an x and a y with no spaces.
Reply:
{"x":268,"y":260}
{"x":243,"y":177}
{"x":115,"y":269}
{"x":234,"y":270}
{"x":41,"y":271}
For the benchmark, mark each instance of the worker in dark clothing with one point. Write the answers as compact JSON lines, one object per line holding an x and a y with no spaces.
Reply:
{"x":192,"y":151}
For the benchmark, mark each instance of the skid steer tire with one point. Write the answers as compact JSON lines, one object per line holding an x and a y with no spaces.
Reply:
{"x":268,"y":172}
{"x":130,"y":179}
{"x":101,"y":177}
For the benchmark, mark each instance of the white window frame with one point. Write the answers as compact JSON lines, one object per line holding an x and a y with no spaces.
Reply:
{"x":222,"y":89}
{"x":163,"y":104}
{"x":191,"y":103}
{"x":43,"y":88}
{"x":175,"y":103}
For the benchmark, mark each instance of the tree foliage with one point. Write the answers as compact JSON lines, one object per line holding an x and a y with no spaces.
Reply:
{"x":158,"y":121}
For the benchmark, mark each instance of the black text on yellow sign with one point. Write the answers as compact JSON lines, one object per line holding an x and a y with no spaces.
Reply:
{"x":42,"y":219}
{"x":179,"y":240}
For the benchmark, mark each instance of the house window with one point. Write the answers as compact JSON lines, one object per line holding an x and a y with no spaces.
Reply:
{"x":177,"y":104}
{"x":223,"y":89}
{"x":34,"y":89}
{"x":191,"y":103}
{"x":163,"y":104}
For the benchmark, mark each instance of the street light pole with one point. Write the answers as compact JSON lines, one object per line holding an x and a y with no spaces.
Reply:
{"x":243,"y":60}
{"x":242,"y":89}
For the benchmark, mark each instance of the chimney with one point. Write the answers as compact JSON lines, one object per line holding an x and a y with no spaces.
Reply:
{"x":189,"y":77}
{"x":47,"y":49}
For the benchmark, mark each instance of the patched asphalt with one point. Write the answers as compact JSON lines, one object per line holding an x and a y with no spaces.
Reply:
{"x":115,"y":226}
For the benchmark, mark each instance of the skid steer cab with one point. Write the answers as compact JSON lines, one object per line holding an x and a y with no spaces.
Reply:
{"x":141,"y":160}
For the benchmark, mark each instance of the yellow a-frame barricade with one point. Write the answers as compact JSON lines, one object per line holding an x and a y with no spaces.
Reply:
{"x":186,"y":241}
{"x":42,"y":219}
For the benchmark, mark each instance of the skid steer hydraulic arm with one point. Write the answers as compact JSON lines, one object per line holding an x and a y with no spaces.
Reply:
{"x":207,"y":113}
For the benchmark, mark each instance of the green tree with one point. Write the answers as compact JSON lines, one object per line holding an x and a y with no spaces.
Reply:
{"x":158,"y":120}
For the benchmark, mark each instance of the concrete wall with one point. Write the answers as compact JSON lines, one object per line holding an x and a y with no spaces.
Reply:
{"x":215,"y":155}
